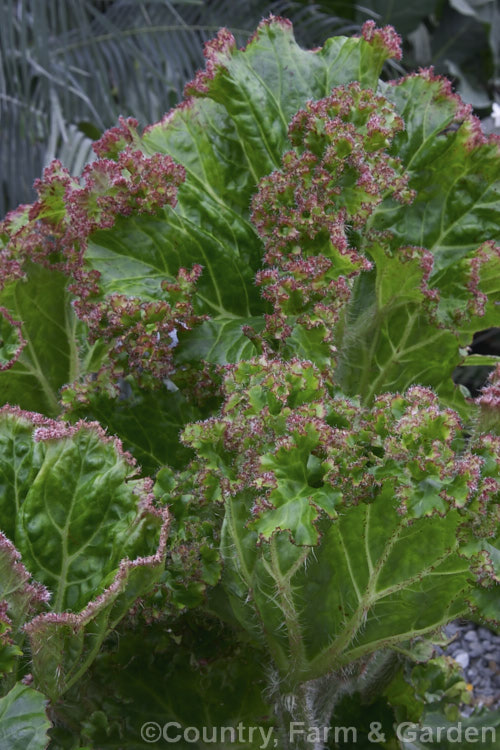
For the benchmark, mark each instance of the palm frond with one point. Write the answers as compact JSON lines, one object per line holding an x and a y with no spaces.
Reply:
{"x":72,"y":67}
{"x":83,"y":61}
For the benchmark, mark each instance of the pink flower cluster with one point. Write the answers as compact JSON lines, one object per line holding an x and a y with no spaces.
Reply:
{"x":28,"y":596}
{"x":487,"y":253}
{"x":142,"y":334}
{"x":55,"y":229}
{"x":387,"y":39}
{"x":11,"y":340}
{"x":42,"y":232}
{"x":10,"y":266}
{"x":489,"y":399}
{"x":328,"y":186}
{"x":5,"y":625}
{"x":54,"y":232}
{"x":405,"y":449}
{"x":116,"y":139}
{"x":133,"y":183}
{"x":215,"y":51}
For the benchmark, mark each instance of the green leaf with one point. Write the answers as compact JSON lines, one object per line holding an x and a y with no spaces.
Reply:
{"x":484,"y":602}
{"x":193,"y":559}
{"x":8,"y":654}
{"x":148,"y":422}
{"x":49,"y":359}
{"x":408,"y":317}
{"x":85,"y":528}
{"x":421,"y":693}
{"x":357,"y":593}
{"x":20,"y":599}
{"x":473,"y":360}
{"x":76,"y":518}
{"x":454,"y":174}
{"x":192,"y":675}
{"x":23,"y":721}
{"x":390,"y":343}
{"x":295,"y":499}
{"x":219,"y":340}
{"x":11,"y":341}
{"x":346,"y":530}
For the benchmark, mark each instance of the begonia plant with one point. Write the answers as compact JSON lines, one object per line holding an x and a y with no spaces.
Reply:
{"x":264,"y":298}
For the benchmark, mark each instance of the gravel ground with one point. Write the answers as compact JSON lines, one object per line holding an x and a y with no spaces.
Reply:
{"x":477,"y":650}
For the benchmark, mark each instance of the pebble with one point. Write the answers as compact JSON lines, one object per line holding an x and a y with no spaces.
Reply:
{"x":471,"y":635}
{"x":484,"y":633}
{"x":462,"y":658}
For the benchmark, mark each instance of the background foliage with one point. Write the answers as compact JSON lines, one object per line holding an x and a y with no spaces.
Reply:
{"x":69,"y":69}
